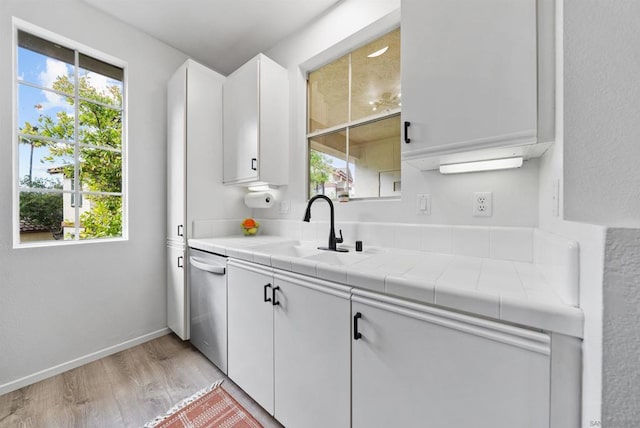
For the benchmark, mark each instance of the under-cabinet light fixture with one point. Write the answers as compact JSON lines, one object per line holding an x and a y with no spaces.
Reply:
{"x":378,"y":52}
{"x":485,"y":165}
{"x":260,"y":187}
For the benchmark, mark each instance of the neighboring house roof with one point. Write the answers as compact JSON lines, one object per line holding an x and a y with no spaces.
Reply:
{"x":28,"y":225}
{"x":340,"y":174}
{"x":55,"y":170}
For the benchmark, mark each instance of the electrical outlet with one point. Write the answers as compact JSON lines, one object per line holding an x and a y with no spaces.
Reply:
{"x":423,"y":204}
{"x":482,"y":204}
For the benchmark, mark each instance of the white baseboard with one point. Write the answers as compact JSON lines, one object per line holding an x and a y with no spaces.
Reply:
{"x":77,"y":362}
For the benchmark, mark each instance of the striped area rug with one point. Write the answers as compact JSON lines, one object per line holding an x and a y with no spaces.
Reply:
{"x":208,"y":408}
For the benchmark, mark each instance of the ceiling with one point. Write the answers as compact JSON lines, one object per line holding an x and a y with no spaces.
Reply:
{"x":222,"y":34}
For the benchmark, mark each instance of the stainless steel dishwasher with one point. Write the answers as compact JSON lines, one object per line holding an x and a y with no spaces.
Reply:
{"x":208,"y":301}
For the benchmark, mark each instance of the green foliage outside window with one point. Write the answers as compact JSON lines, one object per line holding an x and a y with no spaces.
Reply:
{"x":320,"y":171}
{"x":99,"y":170}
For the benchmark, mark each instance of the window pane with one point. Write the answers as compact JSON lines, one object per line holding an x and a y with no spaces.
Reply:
{"x":45,"y":63}
{"x":41,"y":216}
{"x":375,"y":76}
{"x":101,"y":217}
{"x":327,"y":164}
{"x":100,"y":170}
{"x":44,"y":164}
{"x":329,"y":95}
{"x":100,"y":81}
{"x":45,"y":113}
{"x":99,"y":125}
{"x":374,"y":149}
{"x":51,"y":149}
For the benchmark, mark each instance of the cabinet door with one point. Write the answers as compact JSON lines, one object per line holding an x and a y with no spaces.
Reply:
{"x":240,"y":109}
{"x":418,"y":369}
{"x":176,"y":148}
{"x":312,"y":355}
{"x":250,"y":334}
{"x":177,"y":295}
{"x":468,"y":74}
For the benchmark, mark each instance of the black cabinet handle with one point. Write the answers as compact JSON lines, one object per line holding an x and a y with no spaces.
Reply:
{"x":254,"y":165}
{"x":266,"y":299}
{"x":180,"y":259}
{"x":273,"y":296}
{"x":406,"y":132}
{"x":356,"y":335}
{"x":180,"y":227}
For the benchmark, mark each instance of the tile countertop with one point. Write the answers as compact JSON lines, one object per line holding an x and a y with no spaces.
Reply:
{"x":514,"y":292}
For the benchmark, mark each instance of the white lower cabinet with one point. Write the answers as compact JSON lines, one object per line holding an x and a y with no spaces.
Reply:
{"x":419,"y":366}
{"x":289,"y":344}
{"x":250,"y":331}
{"x":319,"y":354}
{"x":312,"y":346}
{"x":177,"y":294}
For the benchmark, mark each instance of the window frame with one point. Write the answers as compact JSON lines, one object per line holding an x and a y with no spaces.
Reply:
{"x":79,"y":49}
{"x":320,"y":61}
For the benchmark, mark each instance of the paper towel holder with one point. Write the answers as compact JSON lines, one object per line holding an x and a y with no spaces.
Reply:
{"x":259,"y":199}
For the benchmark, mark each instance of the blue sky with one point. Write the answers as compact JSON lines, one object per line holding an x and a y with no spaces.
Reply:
{"x":32,"y":102}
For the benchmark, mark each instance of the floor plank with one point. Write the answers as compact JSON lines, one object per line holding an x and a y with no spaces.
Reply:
{"x":126,"y":389}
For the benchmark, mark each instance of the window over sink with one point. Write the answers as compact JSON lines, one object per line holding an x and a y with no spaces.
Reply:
{"x":353,"y":127}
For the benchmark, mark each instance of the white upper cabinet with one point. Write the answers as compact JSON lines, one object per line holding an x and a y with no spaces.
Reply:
{"x":469,"y":79}
{"x":194,"y":139}
{"x":194,"y":143}
{"x":176,"y":155}
{"x":256,"y":123}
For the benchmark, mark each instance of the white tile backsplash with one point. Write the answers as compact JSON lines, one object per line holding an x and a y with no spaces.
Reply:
{"x":407,"y":236}
{"x":308,"y":231}
{"x":284,"y":228}
{"x":215,"y":228}
{"x":471,"y":241}
{"x":376,"y":234}
{"x":436,"y":239}
{"x":349,"y":232}
{"x":511,"y":243}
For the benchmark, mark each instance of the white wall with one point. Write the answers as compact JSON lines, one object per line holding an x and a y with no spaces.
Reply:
{"x":621,"y":371}
{"x":352,"y":23}
{"x":602,"y":184}
{"x":591,"y":239}
{"x":59,"y":304}
{"x":602,"y":112}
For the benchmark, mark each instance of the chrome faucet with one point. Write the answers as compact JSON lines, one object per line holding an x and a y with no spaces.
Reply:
{"x":332,"y":232}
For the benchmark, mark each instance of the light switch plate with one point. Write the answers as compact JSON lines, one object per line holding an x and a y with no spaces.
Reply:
{"x":423,"y":204}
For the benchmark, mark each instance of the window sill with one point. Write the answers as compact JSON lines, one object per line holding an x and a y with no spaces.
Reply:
{"x":44,"y":244}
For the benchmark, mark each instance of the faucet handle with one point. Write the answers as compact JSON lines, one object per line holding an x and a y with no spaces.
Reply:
{"x":340,"y":240}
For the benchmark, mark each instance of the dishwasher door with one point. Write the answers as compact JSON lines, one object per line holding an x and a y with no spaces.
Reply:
{"x":208,"y":283}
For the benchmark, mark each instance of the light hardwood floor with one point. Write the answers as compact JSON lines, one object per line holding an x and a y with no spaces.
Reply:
{"x":126,"y":389}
